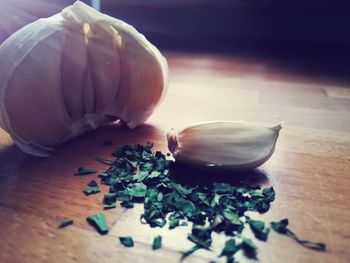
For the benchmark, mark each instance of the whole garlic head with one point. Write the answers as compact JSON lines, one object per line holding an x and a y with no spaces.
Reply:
{"x":232,"y":145}
{"x":67,"y":74}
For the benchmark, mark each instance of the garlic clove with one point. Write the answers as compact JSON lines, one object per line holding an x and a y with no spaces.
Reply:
{"x":74,"y":68}
{"x":104,"y":61}
{"x":232,"y":145}
{"x":140,"y":89}
{"x":89,"y":99}
{"x":36,"y":114}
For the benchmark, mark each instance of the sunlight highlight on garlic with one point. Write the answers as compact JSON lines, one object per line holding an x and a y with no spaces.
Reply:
{"x":73,"y":72}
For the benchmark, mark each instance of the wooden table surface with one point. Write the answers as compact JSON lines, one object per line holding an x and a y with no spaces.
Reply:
{"x":310,"y":169}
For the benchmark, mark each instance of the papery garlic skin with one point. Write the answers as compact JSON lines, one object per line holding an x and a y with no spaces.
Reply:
{"x":232,"y":145}
{"x":72,"y":72}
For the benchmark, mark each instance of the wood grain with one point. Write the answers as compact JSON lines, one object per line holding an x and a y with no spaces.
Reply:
{"x":309,"y":170}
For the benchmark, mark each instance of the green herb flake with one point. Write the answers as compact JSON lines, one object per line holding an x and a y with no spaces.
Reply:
{"x":174,"y":220}
{"x":127,"y":241}
{"x":258,"y":228}
{"x":109,"y":198}
{"x":223,"y":188}
{"x":65,"y":223}
{"x":146,"y":167}
{"x":262,"y":206}
{"x":149,"y":145}
{"x":99,"y":222}
{"x":269,"y":194}
{"x":231,"y":260}
{"x":230,"y":248}
{"x":92,"y":188}
{"x":137,"y":190}
{"x":139,"y":175}
{"x":201,"y":236}
{"x":127,"y":204}
{"x":182,"y":190}
{"x":232,"y":217}
{"x":157,"y":243}
{"x":110,"y":206}
{"x":85,"y":171}
{"x":189,"y":252}
{"x":249,"y":248}
{"x":281,"y":228}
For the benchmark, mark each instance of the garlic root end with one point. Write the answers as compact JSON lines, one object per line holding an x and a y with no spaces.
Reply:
{"x":172,"y":141}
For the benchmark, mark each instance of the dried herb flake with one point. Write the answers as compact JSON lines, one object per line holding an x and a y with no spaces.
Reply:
{"x":249,"y":248}
{"x":99,"y":222}
{"x":85,"y":171}
{"x":127,"y":241}
{"x":157,"y":243}
{"x":281,"y":228}
{"x":139,"y":175}
{"x":258,"y":228}
{"x":111,"y":206}
{"x":230,"y":248}
{"x":92,"y":188}
{"x":65,"y":223}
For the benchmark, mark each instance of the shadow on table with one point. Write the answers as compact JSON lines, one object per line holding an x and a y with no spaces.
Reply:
{"x":78,"y":151}
{"x":186,"y":174}
{"x":106,"y":138}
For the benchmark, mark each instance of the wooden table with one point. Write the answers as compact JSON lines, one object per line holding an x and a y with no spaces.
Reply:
{"x":310,"y":169}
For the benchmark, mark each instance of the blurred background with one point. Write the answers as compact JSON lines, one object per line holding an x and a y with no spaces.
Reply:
{"x":313,"y":34}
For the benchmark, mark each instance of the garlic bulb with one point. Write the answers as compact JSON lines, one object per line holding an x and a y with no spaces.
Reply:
{"x":232,"y":145}
{"x":67,"y":74}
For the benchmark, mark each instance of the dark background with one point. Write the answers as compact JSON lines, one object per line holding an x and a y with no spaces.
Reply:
{"x":313,"y":33}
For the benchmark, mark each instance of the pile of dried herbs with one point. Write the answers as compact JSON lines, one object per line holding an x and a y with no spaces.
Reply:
{"x":138,"y":175}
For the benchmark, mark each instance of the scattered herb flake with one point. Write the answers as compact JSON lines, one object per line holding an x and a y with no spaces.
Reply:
{"x":281,"y":228}
{"x":189,"y":252}
{"x":99,"y":222}
{"x":258,"y":228}
{"x":65,"y":223}
{"x":157,"y":243}
{"x":84,"y":171}
{"x":174,"y":220}
{"x":232,"y":217}
{"x":127,"y":204}
{"x":139,"y":175}
{"x":92,"y":188}
{"x":109,"y":198}
{"x":230,"y":248}
{"x":262,"y":206}
{"x":201,"y":236}
{"x":137,"y":190}
{"x":249,"y":248}
{"x":127,"y":241}
{"x":269,"y":194}
{"x":110,"y":206}
{"x":149,"y":145}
